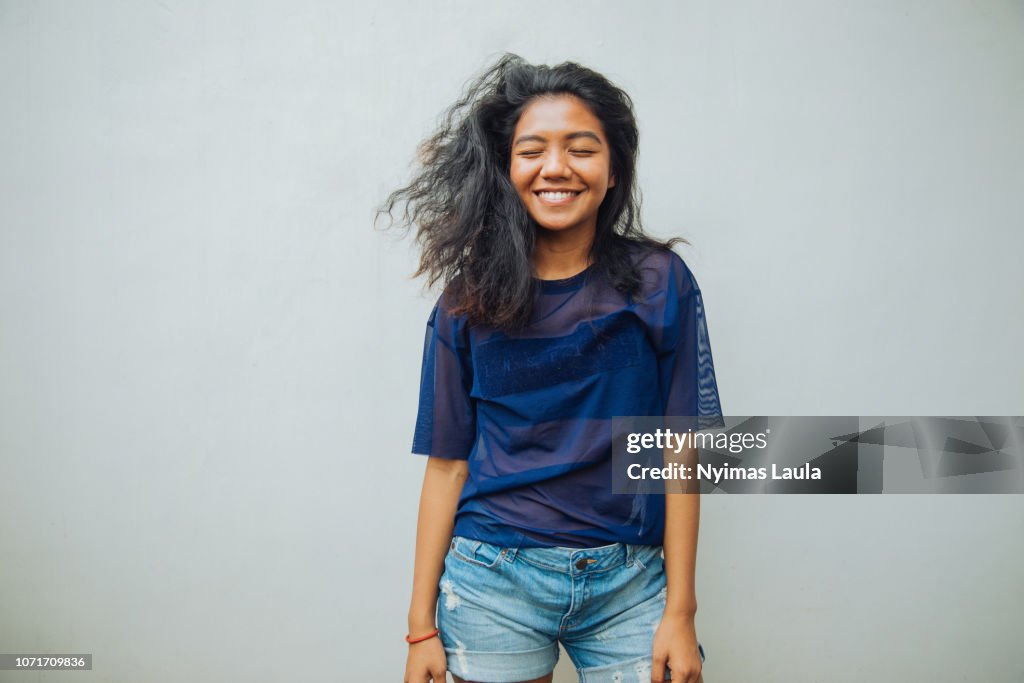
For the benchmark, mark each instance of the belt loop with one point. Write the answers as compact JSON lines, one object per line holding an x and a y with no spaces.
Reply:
{"x":630,"y":552}
{"x":513,"y":549}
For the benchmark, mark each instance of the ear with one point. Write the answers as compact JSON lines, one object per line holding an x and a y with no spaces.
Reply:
{"x":611,"y":180}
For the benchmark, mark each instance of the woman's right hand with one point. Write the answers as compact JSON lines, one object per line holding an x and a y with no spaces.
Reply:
{"x":443,"y":480}
{"x":426,"y":662}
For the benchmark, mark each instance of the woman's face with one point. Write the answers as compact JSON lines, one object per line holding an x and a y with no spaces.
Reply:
{"x":561,"y":163}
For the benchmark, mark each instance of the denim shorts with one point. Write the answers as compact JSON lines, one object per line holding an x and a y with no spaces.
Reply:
{"x":502,"y":611}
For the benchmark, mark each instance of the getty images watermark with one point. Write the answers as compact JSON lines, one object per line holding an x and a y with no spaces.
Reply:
{"x":675,"y":443}
{"x":836,"y":454}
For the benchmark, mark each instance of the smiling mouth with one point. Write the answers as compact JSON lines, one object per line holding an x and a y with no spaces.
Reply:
{"x":560,"y":197}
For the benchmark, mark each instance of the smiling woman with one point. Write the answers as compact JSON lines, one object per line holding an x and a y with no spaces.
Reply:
{"x":561,"y":169}
{"x":476,"y":227}
{"x":557,"y":314}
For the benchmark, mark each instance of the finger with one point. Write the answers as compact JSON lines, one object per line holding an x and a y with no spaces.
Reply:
{"x":421,"y":676}
{"x":685,"y":675}
{"x":658,"y":669}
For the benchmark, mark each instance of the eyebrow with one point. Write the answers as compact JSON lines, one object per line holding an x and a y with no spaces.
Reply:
{"x":570,"y":136}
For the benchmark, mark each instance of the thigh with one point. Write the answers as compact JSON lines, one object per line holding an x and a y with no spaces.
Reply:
{"x":622,"y":609}
{"x":494,"y":623}
{"x":614,"y":639}
{"x":542,"y":679}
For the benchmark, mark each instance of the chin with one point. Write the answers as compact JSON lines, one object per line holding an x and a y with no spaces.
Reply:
{"x":554,"y":228}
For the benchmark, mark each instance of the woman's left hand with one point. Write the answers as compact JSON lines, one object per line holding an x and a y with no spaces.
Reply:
{"x":675,"y":646}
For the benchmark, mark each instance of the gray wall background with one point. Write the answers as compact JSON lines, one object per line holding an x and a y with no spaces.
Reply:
{"x":209,"y":360}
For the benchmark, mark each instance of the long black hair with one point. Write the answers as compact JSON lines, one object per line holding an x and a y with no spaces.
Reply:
{"x":476,"y":235}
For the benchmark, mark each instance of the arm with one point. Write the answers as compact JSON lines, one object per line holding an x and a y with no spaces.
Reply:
{"x":675,"y":642}
{"x":690,"y":390}
{"x":442,"y":484}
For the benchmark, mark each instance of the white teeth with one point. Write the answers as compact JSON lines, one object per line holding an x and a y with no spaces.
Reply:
{"x":557,"y":195}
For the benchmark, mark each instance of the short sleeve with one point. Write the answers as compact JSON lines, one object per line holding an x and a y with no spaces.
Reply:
{"x":686,"y":370}
{"x":446,"y":419}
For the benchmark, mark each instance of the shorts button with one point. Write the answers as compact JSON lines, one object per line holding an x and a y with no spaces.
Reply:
{"x":581,"y":564}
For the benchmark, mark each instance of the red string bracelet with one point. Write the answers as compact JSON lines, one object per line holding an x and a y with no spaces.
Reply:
{"x":422,"y":638}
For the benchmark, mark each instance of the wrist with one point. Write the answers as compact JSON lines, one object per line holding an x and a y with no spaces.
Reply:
{"x":685,"y":610}
{"x":421,"y":623}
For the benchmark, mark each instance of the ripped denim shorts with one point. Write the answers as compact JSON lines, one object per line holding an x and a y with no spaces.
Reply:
{"x":503,"y":611}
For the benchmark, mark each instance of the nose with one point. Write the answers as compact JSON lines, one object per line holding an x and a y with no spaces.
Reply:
{"x":555,"y":165}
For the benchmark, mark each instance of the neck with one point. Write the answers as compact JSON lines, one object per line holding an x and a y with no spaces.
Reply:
{"x":558,"y":254}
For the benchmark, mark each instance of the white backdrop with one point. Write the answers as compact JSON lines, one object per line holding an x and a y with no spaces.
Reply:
{"x":209,"y":359}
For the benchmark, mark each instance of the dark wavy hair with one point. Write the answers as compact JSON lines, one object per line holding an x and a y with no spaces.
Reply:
{"x":476,"y":235}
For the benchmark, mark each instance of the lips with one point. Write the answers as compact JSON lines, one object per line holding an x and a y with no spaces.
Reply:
{"x":557,"y":197}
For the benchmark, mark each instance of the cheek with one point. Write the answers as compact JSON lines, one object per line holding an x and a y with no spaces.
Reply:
{"x":597,"y":173}
{"x":518,"y":179}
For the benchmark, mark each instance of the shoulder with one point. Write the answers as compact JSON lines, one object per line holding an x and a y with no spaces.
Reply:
{"x":446,"y":303}
{"x":662,"y":269}
{"x":445,"y":318}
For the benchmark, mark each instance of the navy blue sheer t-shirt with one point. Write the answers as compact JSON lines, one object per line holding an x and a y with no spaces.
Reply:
{"x":532,"y":410}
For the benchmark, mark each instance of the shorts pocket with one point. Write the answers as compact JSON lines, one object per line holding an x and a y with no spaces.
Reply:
{"x":476,"y":552}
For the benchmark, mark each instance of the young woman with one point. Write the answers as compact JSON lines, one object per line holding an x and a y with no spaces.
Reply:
{"x":557,"y":314}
